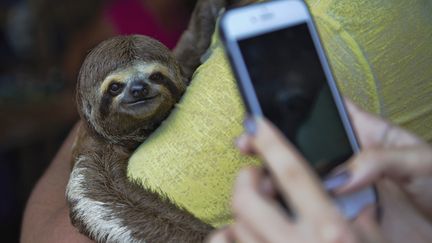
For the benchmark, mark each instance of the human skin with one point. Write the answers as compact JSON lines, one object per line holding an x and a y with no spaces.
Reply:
{"x":46,"y":217}
{"x":399,"y":163}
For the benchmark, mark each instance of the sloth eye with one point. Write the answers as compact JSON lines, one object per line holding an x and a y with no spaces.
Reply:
{"x":115,"y":88}
{"x":156,"y":76}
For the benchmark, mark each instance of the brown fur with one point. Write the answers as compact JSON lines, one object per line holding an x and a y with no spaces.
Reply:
{"x":116,"y":54}
{"x":107,"y":137}
{"x":149,"y":215}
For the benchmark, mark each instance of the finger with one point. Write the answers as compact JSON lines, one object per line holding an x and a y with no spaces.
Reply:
{"x":267,"y":188}
{"x":369,"y":213}
{"x":243,"y":234}
{"x":224,"y":235}
{"x":259,"y":213}
{"x":328,"y":231}
{"x":399,"y":164}
{"x":243,"y":143}
{"x":373,"y":131}
{"x":293,"y":177}
{"x":366,"y":227}
{"x":370,"y":129}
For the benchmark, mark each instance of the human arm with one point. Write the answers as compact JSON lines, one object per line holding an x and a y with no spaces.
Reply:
{"x":46,"y":217}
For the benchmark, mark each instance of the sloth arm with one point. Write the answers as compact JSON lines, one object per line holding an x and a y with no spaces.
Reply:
{"x":46,"y":216}
{"x":196,"y":39}
{"x":107,"y":206}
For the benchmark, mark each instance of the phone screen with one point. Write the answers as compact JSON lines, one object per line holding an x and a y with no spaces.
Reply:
{"x":294,"y":94}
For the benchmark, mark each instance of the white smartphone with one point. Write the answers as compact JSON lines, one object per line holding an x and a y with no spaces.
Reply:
{"x":283,"y":74}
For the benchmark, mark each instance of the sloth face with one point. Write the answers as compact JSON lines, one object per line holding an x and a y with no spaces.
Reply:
{"x":143,"y":92}
{"x":137,"y":98}
{"x":127,"y":86}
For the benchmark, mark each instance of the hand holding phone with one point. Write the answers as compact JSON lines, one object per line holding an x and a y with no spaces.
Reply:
{"x":258,"y":215}
{"x":283,"y":74}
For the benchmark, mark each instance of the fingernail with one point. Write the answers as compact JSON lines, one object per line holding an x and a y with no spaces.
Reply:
{"x":250,"y":126}
{"x":337,"y":180}
{"x":266,"y":187}
{"x":239,"y":142}
{"x":342,"y":173}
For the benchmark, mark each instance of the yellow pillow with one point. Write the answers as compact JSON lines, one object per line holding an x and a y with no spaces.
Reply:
{"x":191,"y":157}
{"x":381,"y":54}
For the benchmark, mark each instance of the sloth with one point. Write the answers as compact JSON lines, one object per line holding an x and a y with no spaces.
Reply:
{"x":126,"y":87}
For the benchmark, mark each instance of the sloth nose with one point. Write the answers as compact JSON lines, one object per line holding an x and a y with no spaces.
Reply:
{"x":139,"y":89}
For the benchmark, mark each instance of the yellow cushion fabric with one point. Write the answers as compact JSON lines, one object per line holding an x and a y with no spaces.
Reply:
{"x":381,"y":53}
{"x":191,"y":157}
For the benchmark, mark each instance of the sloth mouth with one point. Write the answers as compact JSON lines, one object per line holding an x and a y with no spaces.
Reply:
{"x":141,"y":100}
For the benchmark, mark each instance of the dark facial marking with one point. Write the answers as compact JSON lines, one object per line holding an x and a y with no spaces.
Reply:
{"x":155,"y":77}
{"x":159,"y":78}
{"x":105,"y":104}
